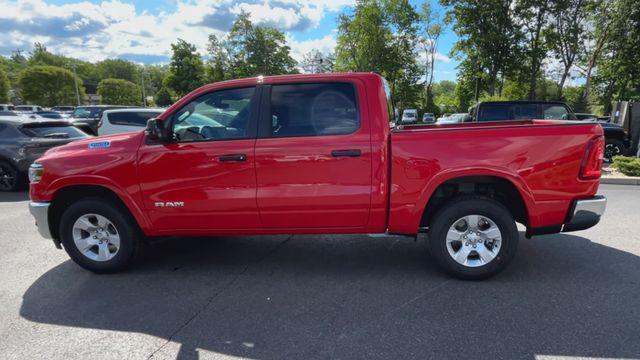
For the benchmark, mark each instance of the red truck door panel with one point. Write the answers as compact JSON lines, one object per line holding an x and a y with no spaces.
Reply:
{"x":313,"y":157}
{"x":205,"y":180}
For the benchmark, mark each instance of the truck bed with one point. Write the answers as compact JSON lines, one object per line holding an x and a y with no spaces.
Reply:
{"x":542,"y":158}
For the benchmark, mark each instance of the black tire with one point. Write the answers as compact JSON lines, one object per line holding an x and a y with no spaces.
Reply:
{"x":10,"y":178}
{"x":127,"y":230}
{"x":464,"y":206}
{"x":612,"y":147}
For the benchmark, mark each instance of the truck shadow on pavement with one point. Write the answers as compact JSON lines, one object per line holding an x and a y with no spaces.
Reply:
{"x":309,"y":297}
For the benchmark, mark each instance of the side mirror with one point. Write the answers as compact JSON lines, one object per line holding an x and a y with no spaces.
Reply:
{"x":155,"y":130}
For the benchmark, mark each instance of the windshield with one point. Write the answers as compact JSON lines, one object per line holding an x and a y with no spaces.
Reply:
{"x":85,"y":112}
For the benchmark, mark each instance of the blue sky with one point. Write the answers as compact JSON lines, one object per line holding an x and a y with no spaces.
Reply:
{"x":142,"y":31}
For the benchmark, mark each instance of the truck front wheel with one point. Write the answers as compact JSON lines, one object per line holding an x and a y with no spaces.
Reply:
{"x":98,"y":235}
{"x":473,"y":237}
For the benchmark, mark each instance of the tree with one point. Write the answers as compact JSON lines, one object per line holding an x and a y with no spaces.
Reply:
{"x":49,"y":85}
{"x":532,"y":19}
{"x":380,"y":35}
{"x":315,"y":62}
{"x":118,"y":69}
{"x":618,"y":73}
{"x":218,"y":65}
{"x":164,"y":97}
{"x":4,"y":87}
{"x":432,"y":29}
{"x":186,"y":70}
{"x":565,"y":35}
{"x":488,"y":42}
{"x":119,"y":92}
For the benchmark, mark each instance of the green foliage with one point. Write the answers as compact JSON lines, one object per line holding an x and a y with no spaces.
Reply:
{"x":629,"y":166}
{"x":186,"y":70}
{"x":119,"y":92}
{"x":380,"y":36}
{"x":118,"y":69}
{"x":248,"y":50}
{"x":164,"y":97}
{"x":4,"y":87}
{"x":49,"y":85}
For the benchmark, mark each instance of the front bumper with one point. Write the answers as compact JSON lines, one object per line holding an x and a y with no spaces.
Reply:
{"x":40,"y":211}
{"x":585,"y":213}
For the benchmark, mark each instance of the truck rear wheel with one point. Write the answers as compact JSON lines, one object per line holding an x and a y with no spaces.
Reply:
{"x":473,"y":238}
{"x":98,"y":235}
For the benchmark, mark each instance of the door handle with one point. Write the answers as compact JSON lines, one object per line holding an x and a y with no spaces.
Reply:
{"x":347,"y":153}
{"x":233,"y":157}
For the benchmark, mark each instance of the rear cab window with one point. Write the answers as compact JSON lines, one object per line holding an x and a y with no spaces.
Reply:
{"x":313,"y":109}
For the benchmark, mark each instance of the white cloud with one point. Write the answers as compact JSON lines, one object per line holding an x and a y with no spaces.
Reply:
{"x":325,"y":45}
{"x":113,"y":28}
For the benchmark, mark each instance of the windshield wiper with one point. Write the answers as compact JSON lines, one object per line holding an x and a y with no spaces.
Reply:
{"x":57,"y":135}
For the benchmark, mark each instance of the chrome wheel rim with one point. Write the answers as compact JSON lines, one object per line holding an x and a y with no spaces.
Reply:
{"x":611,"y":150}
{"x":96,"y":237}
{"x":474,"y":240}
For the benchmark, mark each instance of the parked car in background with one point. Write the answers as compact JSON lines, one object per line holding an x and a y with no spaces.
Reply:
{"x":409,"y":116}
{"x":87,"y":117}
{"x":27,"y":109}
{"x":428,"y":118}
{"x":617,"y":141}
{"x":313,"y":154}
{"x":7,"y":107}
{"x":457,"y":118}
{"x":125,"y":120}
{"x":521,"y":110}
{"x":8,"y":113}
{"x":23,"y":140}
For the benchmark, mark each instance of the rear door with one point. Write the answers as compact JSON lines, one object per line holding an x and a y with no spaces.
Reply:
{"x":313,"y":157}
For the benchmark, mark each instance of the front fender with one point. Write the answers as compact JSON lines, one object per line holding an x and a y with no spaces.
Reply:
{"x":95,"y":180}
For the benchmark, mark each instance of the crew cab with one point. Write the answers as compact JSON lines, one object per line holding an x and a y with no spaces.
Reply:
{"x":314,"y":154}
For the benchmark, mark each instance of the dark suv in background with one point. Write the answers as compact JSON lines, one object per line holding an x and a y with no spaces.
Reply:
{"x":616,"y":139}
{"x":23,"y":140}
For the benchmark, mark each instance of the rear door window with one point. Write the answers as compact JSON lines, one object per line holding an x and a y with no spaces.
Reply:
{"x":313,"y":110}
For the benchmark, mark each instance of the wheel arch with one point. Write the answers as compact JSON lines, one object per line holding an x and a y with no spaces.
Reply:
{"x":508,"y":189}
{"x":67,"y":195}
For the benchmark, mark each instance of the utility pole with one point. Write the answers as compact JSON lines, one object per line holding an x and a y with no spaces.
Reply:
{"x":75,"y":82}
{"x":144,"y":96}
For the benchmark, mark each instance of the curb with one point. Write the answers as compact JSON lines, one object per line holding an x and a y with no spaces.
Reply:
{"x":619,"y":180}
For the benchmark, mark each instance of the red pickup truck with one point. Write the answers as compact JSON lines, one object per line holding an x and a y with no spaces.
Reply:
{"x":314,"y":154}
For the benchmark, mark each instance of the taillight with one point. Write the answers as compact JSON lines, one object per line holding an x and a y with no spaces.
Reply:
{"x":593,"y":158}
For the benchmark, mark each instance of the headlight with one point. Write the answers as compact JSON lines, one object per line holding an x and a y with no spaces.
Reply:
{"x":35,"y":172}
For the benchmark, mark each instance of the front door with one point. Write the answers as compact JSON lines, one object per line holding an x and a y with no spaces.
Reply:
{"x":205,"y":178}
{"x":313,"y":162}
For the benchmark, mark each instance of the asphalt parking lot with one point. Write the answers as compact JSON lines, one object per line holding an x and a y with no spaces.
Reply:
{"x":310,"y":297}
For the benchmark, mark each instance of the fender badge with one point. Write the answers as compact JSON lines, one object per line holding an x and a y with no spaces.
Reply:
{"x":100,"y":145}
